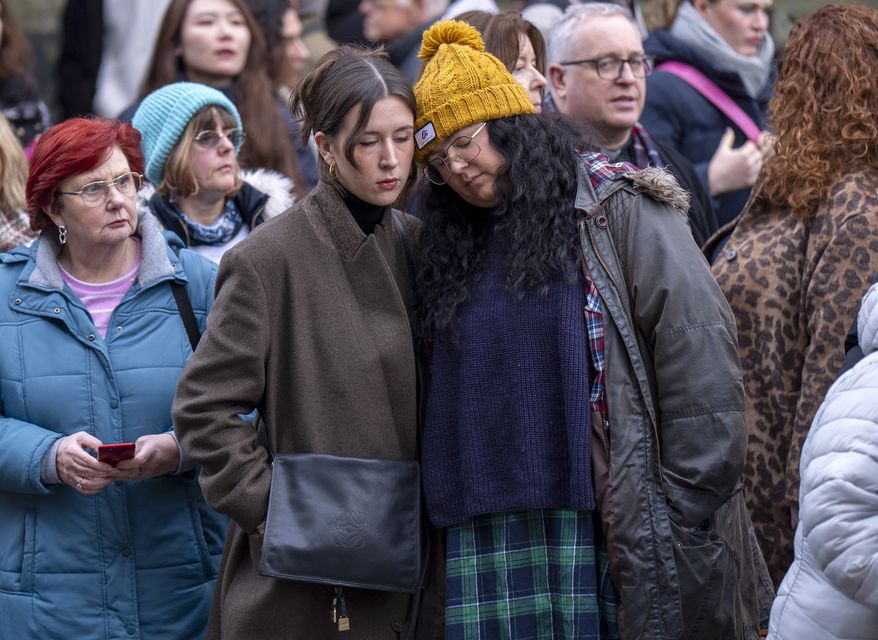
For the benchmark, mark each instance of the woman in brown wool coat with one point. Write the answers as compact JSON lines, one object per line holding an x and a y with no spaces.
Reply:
{"x":801,"y":256}
{"x":311,"y":326}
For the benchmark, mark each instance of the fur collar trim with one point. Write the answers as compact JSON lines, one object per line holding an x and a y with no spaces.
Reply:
{"x":276,"y":186}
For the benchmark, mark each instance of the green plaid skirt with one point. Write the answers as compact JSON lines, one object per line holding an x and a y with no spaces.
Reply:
{"x":524,"y":575}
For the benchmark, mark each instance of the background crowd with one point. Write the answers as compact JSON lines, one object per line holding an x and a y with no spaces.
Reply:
{"x":601,"y":273}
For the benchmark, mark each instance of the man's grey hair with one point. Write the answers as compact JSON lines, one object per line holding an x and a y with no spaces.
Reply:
{"x":562,"y":41}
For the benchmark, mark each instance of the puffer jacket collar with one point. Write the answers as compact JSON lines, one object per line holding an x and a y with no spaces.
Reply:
{"x":40,"y":290}
{"x":157,"y":261}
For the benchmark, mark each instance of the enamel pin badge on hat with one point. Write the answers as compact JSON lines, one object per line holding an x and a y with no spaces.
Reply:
{"x":425,"y":135}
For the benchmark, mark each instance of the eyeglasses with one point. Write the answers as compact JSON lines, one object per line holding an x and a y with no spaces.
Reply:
{"x":95,"y":193}
{"x":610,"y":67}
{"x":463,"y":149}
{"x":208,"y":139}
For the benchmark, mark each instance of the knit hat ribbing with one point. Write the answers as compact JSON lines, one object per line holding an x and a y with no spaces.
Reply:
{"x":163,"y":115}
{"x":461,"y":84}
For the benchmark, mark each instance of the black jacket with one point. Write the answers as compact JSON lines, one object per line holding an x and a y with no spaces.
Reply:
{"x":678,"y":116}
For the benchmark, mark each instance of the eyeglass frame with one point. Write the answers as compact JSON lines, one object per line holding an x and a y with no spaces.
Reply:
{"x":226,"y":133}
{"x":647,"y":63}
{"x":106,"y":186}
{"x":444,"y":159}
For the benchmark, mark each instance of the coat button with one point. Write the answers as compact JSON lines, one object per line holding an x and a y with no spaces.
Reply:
{"x":602,"y":221}
{"x":56,"y":310}
{"x":731,"y":254}
{"x":118,"y":328}
{"x":131,"y":629}
{"x":91,"y":337}
{"x":114,"y":403}
{"x":18,"y":301}
{"x":125,"y":552}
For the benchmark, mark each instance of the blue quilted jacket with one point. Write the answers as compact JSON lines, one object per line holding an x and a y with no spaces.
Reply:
{"x":139,"y":559}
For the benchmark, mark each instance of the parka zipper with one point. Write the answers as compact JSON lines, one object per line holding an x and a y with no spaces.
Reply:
{"x":602,"y":262}
{"x":606,"y":269}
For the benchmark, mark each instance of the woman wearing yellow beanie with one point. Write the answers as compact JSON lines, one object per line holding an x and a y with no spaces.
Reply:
{"x":584,"y":430}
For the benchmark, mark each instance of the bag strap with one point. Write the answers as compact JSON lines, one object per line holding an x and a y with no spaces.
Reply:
{"x":184,"y":306}
{"x":716,"y":96}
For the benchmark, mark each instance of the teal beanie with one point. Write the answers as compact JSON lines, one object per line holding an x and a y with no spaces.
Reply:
{"x":163,"y":115}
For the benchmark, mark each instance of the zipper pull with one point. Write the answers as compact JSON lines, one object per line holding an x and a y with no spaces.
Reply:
{"x":344,"y":623}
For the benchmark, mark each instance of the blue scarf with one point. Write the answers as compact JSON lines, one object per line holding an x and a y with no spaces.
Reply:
{"x":223,"y":229}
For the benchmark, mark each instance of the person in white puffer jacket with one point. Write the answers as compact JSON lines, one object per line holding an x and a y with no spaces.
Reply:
{"x":831,"y":589}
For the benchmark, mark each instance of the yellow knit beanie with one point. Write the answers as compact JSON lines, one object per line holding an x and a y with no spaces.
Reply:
{"x":461,"y":84}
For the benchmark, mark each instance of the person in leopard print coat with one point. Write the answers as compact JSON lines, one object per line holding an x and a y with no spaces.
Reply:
{"x":801,"y":256}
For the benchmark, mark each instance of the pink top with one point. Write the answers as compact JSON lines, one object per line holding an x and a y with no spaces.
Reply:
{"x":101,"y":299}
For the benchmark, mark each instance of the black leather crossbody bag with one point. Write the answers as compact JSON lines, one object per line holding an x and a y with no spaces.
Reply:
{"x":345,"y":521}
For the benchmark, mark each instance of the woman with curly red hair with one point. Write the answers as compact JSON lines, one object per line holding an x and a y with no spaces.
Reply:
{"x":802,"y":255}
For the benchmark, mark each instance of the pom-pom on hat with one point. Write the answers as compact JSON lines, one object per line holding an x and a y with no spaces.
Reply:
{"x":163,"y":115}
{"x":461,"y":84}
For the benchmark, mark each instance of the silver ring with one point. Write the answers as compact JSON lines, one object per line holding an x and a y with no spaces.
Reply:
{"x":79,"y":484}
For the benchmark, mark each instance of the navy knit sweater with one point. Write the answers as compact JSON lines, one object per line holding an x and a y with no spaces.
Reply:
{"x":507,"y":424}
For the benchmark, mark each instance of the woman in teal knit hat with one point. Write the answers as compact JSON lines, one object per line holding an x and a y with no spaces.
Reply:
{"x":191,"y":136}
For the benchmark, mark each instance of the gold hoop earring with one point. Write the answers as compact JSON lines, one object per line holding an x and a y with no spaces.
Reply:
{"x":333,"y":170}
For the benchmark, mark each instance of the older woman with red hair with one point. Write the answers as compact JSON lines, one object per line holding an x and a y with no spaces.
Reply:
{"x":799,"y":260}
{"x":93,"y":345}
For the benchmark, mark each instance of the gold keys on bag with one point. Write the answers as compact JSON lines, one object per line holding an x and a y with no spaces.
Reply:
{"x":339,"y":611}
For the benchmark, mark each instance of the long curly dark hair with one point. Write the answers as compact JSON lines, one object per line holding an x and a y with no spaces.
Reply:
{"x":824,"y":108}
{"x":536,"y":220}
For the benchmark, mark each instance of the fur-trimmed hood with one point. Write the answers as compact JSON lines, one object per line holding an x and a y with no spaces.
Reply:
{"x":276,"y":186}
{"x":661,"y":185}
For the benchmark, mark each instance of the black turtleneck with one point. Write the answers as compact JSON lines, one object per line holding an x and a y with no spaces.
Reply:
{"x":365,"y":213}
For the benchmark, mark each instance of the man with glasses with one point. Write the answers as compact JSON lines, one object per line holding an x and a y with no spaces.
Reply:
{"x":597,"y":77}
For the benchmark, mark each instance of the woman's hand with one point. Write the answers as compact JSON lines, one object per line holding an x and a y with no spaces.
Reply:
{"x":154,"y":455}
{"x":78,"y":468}
{"x":732,"y":169}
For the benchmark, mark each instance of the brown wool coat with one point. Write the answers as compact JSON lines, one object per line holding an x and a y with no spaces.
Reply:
{"x":795,"y":287}
{"x":310,"y":325}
